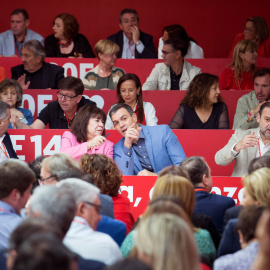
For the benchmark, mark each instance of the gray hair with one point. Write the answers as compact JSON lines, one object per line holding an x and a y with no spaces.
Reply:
{"x":196,"y":167}
{"x":54,"y":203}
{"x":3,"y":109}
{"x":36,"y":47}
{"x":81,"y":190}
{"x":60,"y":163}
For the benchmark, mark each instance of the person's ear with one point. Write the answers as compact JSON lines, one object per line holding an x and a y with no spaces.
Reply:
{"x":79,"y":97}
{"x":258,"y":118}
{"x":134,"y":116}
{"x":27,"y":22}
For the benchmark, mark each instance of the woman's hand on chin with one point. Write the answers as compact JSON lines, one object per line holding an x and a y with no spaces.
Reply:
{"x":96,"y":141}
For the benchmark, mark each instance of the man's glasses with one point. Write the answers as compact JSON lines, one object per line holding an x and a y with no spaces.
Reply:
{"x":41,"y":180}
{"x":165,"y":52}
{"x":98,"y":207}
{"x":66,"y":97}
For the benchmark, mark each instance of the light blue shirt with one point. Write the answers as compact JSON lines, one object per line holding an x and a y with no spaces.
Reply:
{"x":9,"y":220}
{"x":129,"y":49}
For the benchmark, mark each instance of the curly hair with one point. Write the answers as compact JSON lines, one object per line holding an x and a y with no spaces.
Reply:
{"x":10,"y":83}
{"x":198,"y":90}
{"x":106,"y":174}
{"x":71,"y":25}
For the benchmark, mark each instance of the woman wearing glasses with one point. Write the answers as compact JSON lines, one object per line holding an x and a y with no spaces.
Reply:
{"x":87,"y":134}
{"x":175,"y":73}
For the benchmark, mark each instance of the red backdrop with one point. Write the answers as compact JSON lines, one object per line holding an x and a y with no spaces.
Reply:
{"x":213,"y":24}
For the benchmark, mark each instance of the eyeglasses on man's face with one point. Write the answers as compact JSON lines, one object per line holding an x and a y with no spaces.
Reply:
{"x":98,"y":207}
{"x":66,"y":97}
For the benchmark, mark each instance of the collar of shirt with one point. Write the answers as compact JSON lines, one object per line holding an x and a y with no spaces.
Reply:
{"x":128,"y":49}
{"x":6,"y":207}
{"x":264,"y":147}
{"x":2,"y":138}
{"x":80,"y":221}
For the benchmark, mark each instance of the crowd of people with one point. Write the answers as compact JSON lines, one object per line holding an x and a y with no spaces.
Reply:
{"x":66,"y":211}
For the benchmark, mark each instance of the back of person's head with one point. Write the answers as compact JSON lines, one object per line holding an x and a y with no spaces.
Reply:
{"x":259,"y":162}
{"x":197,"y":94}
{"x":71,"y":25}
{"x":35,"y":166}
{"x":167,"y":241}
{"x":36,"y":47}
{"x":263,"y":106}
{"x":178,"y":44}
{"x":76,"y":173}
{"x":105,"y":172}
{"x":15,"y":175}
{"x":247,"y":221}
{"x":196,"y":168}
{"x":258,"y":186}
{"x":176,"y":31}
{"x":261,"y":73}
{"x":53,"y":203}
{"x":106,"y":46}
{"x":71,"y":83}
{"x":42,"y":251}
{"x":13,"y":84}
{"x":128,"y":10}
{"x":119,"y":106}
{"x":177,"y":186}
{"x":60,"y":163}
{"x":80,"y":189}
{"x":17,"y":11}
{"x":3,"y":109}
{"x":174,"y":170}
{"x":129,"y":263}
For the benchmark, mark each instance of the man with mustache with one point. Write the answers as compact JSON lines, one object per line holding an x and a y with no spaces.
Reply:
{"x":249,"y":105}
{"x":245,"y":145}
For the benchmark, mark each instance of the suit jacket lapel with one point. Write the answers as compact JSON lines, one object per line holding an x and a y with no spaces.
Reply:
{"x":136,"y":161}
{"x":252,"y":150}
{"x":149,"y":147}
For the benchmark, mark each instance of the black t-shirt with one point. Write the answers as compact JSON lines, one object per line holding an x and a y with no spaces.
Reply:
{"x":53,"y":114}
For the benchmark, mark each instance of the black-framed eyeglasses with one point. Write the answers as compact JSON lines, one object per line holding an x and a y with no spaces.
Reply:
{"x":66,"y":97}
{"x":165,"y":52}
{"x":51,"y":176}
{"x":98,"y":207}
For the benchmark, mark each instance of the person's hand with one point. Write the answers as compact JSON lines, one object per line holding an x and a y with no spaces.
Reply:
{"x":14,"y":119}
{"x":16,"y":113}
{"x":255,"y":110}
{"x":132,"y":135}
{"x":248,"y":141}
{"x":21,"y":81}
{"x":96,"y":141}
{"x":135,"y":33}
{"x":146,"y":173}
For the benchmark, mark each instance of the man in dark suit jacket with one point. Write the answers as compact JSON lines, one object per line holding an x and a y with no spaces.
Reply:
{"x":6,"y":148}
{"x":133,"y":43}
{"x":213,"y":205}
{"x":35,"y":73}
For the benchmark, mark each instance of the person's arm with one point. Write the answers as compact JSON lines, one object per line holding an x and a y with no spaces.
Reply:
{"x":51,"y":47}
{"x":150,"y":114}
{"x":223,"y":122}
{"x":38,"y":124}
{"x":160,"y":47}
{"x":178,"y":120}
{"x":59,"y":76}
{"x":152,"y":81}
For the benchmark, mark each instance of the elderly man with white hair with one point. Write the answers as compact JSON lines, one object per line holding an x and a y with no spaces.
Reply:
{"x":82,"y":236}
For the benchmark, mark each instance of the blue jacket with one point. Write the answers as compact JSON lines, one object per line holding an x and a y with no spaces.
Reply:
{"x":162,"y":146}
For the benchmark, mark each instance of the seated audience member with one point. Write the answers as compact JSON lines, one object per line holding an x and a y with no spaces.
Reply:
{"x":12,"y":93}
{"x":60,"y":114}
{"x":175,"y":73}
{"x":87,"y":134}
{"x":143,"y":150}
{"x":35,"y":166}
{"x":245,"y":145}
{"x":262,"y":261}
{"x":202,"y":106}
{"x":129,"y":91}
{"x":105,"y":75}
{"x":6,"y":147}
{"x":239,"y":74}
{"x":2,"y":74}
{"x":82,"y":236}
{"x":16,"y":181}
{"x":173,"y":237}
{"x":58,"y":205}
{"x":34,"y":73}
{"x":209,"y":204}
{"x":256,"y":29}
{"x":246,"y":226}
{"x":249,"y":105}
{"x":256,"y":192}
{"x":108,"y":179}
{"x":66,"y":41}
{"x":178,"y":31}
{"x":133,"y":43}
{"x":11,"y":41}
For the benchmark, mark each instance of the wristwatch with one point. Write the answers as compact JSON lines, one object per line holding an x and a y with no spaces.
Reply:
{"x":138,"y":43}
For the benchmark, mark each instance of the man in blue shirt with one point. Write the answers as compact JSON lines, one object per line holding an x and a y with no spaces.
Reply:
{"x":144,"y":150}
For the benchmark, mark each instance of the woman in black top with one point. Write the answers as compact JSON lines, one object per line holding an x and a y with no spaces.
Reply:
{"x":202,"y":106}
{"x":66,"y":41}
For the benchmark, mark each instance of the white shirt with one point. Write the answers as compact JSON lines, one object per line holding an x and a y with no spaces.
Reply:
{"x":2,"y":149}
{"x":129,"y":49}
{"x":264,"y":147}
{"x":90,"y":244}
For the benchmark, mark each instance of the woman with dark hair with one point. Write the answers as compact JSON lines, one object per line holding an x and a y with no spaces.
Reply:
{"x":202,"y":106}
{"x":257,"y":30}
{"x":12,"y":93}
{"x":129,"y":91}
{"x":108,"y":179}
{"x":87,"y":134}
{"x":66,"y":41}
{"x":239,"y":74}
{"x":178,"y":31}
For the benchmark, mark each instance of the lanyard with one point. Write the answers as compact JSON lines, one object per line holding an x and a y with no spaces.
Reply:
{"x":70,"y":119}
{"x":4,"y":150}
{"x":78,"y":221}
{"x":259,"y":148}
{"x":132,"y":52}
{"x":3,"y":210}
{"x":18,"y":53}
